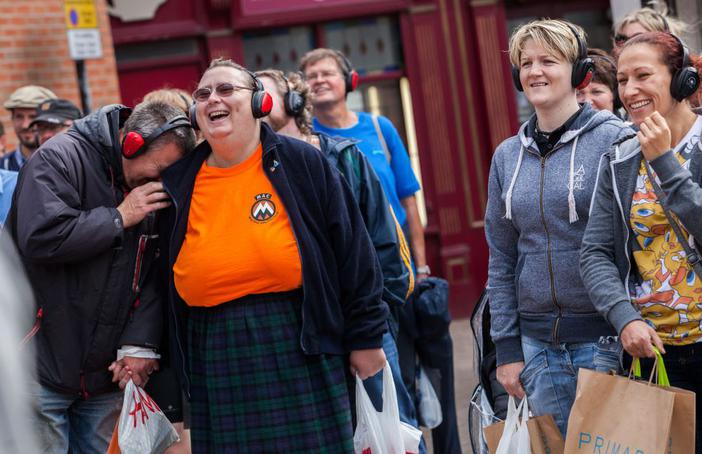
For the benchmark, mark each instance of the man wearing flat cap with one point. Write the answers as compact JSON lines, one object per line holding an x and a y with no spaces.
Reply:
{"x":55,"y":116}
{"x":23,"y":104}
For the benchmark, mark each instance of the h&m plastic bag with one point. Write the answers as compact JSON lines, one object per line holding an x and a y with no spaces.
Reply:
{"x":429,"y":409}
{"x":142,"y":426}
{"x":515,"y":437}
{"x":382,"y":432}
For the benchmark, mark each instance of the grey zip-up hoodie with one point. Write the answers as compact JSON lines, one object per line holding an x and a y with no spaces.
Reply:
{"x":536,"y":215}
{"x":607,"y":264}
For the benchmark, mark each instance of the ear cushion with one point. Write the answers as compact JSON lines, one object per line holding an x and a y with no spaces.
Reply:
{"x":132,"y":144}
{"x":351,"y":81}
{"x":261,"y":103}
{"x":583,"y":69}
{"x":294,"y":103}
{"x":684,"y":83}
{"x":515,"y":79}
{"x":193,"y":118}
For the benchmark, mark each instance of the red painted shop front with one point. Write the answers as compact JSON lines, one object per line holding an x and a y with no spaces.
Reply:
{"x":436,"y":68}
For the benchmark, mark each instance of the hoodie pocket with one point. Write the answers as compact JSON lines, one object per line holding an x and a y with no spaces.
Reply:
{"x":534,"y":291}
{"x":570,"y":290}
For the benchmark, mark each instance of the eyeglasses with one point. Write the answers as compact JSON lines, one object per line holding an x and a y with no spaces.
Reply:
{"x":223,"y":90}
{"x":322,"y":75}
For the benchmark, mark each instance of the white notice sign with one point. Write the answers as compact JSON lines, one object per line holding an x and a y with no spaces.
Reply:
{"x":84,"y":43}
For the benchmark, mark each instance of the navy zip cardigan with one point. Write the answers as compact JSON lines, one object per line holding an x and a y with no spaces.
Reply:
{"x":342,"y":281}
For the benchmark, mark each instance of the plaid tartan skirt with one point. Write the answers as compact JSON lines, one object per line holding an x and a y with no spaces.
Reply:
{"x":253,"y":390}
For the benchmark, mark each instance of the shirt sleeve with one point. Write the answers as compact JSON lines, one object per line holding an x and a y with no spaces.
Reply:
{"x":406,"y":183}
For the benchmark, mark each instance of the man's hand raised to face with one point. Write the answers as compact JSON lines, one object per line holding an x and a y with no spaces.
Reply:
{"x":141,"y":201}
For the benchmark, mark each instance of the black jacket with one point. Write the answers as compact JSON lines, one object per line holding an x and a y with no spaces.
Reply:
{"x":385,"y":233}
{"x":80,"y":260}
{"x":342,"y":307}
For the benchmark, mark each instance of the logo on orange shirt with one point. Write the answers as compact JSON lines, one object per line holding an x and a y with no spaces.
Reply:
{"x":263,"y":209}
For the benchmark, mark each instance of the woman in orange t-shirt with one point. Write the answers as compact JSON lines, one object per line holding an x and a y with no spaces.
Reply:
{"x":276,"y":286}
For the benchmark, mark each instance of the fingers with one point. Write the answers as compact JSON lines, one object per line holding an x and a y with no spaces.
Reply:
{"x":657,"y":341}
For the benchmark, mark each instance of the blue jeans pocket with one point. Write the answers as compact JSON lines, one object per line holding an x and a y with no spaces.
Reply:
{"x":533,"y":367}
{"x":608,"y":355}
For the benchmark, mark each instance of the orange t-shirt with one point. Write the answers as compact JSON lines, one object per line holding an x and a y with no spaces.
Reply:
{"x":239,"y":240}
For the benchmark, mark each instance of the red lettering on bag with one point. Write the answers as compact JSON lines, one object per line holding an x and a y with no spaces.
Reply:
{"x":143,"y":403}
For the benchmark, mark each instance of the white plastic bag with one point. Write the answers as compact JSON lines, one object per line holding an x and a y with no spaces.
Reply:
{"x":143,"y":428}
{"x":515,"y":437}
{"x":382,"y":432}
{"x":429,"y":409}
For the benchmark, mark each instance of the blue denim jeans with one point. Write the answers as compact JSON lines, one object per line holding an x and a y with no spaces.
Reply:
{"x":65,"y":420}
{"x":551,"y":371}
{"x":374,"y":385}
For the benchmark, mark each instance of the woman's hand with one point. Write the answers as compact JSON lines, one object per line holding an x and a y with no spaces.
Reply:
{"x":638,"y":340}
{"x":366,"y":363}
{"x":654,"y":136}
{"x":508,"y":376}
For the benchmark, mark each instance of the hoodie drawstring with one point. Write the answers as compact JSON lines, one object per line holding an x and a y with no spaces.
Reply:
{"x":508,"y":197}
{"x":572,"y":211}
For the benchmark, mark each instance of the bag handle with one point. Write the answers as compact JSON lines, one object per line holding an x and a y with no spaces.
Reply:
{"x":691,"y":255}
{"x":658,"y":370}
{"x":381,"y":137}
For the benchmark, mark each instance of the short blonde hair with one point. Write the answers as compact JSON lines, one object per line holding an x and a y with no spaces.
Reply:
{"x":173,"y":96}
{"x":554,"y":35}
{"x":315,"y":55}
{"x":654,"y":18}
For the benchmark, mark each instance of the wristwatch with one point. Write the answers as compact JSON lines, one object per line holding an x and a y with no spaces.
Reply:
{"x":424,"y":270}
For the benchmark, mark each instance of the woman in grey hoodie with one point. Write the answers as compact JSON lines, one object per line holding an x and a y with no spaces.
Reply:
{"x":640,"y":275}
{"x":541,"y":181}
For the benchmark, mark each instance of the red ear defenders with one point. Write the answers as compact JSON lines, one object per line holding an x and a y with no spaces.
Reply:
{"x":583,"y":67}
{"x":686,"y":80}
{"x":293,"y":100}
{"x":134,"y":144}
{"x":261,"y":102}
{"x":350,"y":74}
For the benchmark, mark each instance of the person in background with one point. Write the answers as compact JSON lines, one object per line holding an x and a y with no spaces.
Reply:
{"x":83,"y":221}
{"x":331,"y":77}
{"x":639,"y":261}
{"x":652,"y":18}
{"x":23,"y":104}
{"x":601,"y":93}
{"x":291,"y":116}
{"x":54,"y":117}
{"x":274,"y":280}
{"x":540,"y":184}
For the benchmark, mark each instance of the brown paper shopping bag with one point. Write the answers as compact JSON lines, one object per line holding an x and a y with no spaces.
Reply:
{"x":617,"y":414}
{"x":544,"y":436}
{"x":682,"y":427}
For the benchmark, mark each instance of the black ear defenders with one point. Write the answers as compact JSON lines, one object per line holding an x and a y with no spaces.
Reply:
{"x":686,"y":80}
{"x":261,"y":102}
{"x":583,"y":67}
{"x":350,"y":74}
{"x":134,"y":144}
{"x":293,"y":100}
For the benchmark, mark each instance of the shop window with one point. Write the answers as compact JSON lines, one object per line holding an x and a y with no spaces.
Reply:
{"x":373,"y":44}
{"x":157,"y":50}
{"x":279,"y":48}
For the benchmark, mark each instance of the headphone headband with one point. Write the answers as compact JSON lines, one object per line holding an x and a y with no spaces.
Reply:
{"x":134,"y":144}
{"x":350,"y":75}
{"x":582,"y":48}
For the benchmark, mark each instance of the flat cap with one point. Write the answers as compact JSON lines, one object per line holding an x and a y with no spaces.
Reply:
{"x":29,"y":96}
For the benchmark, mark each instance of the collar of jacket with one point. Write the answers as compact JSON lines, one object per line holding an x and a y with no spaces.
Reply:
{"x":180,"y":177}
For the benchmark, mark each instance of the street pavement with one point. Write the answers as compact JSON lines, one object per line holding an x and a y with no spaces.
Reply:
{"x":465,"y":379}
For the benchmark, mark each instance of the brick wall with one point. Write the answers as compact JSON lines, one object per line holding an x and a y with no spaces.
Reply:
{"x":34,"y":50}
